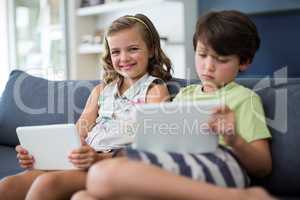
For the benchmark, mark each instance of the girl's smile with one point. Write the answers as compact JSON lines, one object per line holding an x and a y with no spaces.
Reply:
{"x":127,"y":67}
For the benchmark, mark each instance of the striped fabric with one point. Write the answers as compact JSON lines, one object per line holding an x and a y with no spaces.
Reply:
{"x":219,"y":168}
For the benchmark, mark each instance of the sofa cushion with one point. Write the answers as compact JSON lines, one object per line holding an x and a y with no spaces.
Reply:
{"x":29,"y":100}
{"x":281,"y":103}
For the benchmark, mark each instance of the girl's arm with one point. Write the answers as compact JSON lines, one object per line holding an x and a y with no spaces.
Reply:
{"x":157,"y":93}
{"x":254,"y":156}
{"x":89,"y":115}
{"x":85,"y":156}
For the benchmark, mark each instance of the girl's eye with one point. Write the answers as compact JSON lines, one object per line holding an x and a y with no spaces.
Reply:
{"x":202,"y":55}
{"x":114,"y":52}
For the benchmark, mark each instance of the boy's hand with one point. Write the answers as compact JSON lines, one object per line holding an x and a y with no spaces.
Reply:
{"x":84,"y":156}
{"x":26,"y":161}
{"x":223,"y":123}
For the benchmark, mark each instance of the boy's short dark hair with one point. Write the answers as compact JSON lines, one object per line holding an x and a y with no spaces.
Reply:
{"x":228,"y":33}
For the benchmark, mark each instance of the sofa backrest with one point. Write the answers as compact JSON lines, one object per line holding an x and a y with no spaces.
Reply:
{"x":28,"y":100}
{"x":281,"y":102}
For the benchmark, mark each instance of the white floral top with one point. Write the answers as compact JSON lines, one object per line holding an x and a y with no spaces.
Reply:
{"x":113,"y":129}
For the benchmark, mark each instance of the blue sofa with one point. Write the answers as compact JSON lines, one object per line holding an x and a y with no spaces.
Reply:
{"x":29,"y":100}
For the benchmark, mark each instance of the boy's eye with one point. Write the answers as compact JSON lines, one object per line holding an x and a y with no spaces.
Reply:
{"x":222,"y":60}
{"x":133,"y":49}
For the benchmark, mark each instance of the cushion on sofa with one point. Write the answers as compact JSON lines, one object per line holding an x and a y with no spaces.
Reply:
{"x":281,"y":103}
{"x":29,"y":100}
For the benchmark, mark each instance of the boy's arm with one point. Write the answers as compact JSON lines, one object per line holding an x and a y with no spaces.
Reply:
{"x":89,"y":115}
{"x":254,"y":156}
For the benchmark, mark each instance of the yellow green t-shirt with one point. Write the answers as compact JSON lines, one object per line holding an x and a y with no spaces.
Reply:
{"x":246,"y":104}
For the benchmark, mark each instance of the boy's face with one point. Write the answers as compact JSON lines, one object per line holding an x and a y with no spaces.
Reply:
{"x":215,"y":70}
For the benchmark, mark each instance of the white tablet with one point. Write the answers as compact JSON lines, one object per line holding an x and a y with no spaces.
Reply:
{"x":175,"y":127}
{"x":50,"y":145}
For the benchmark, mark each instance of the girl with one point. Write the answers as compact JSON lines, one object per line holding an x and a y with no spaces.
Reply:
{"x":225,"y":43}
{"x":135,"y":67}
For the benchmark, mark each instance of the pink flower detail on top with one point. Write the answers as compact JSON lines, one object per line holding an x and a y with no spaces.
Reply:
{"x":138,"y":101}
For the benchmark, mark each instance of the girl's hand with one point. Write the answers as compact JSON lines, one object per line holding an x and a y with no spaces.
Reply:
{"x":84,"y":156}
{"x":223,"y":123}
{"x":26,"y":161}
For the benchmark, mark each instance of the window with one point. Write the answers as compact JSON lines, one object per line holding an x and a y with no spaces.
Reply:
{"x":40,"y":44}
{"x":4,"y":46}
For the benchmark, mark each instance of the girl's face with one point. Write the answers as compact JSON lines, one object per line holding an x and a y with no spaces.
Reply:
{"x":215,"y":70}
{"x":129,"y":53}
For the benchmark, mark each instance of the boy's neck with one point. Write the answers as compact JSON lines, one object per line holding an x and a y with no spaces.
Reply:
{"x":211,"y":88}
